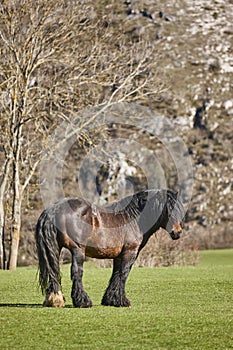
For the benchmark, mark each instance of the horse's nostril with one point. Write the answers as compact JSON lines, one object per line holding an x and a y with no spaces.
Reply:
{"x":175,"y":235}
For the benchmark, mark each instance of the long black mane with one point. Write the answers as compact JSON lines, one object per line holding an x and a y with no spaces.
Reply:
{"x":149,"y":205}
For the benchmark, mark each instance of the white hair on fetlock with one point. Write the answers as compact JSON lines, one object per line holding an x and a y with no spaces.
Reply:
{"x":54,"y":300}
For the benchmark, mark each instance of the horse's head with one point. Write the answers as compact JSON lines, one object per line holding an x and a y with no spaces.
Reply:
{"x":174,"y":213}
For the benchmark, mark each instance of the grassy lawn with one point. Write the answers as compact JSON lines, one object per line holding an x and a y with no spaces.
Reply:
{"x":172,"y":308}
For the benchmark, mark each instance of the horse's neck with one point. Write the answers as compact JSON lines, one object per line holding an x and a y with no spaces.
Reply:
{"x":151,"y":231}
{"x":145,"y":239}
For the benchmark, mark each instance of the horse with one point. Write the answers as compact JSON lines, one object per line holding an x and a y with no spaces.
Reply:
{"x":117,"y":231}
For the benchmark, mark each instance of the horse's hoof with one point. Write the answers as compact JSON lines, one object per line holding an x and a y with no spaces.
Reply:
{"x":126,"y":303}
{"x":82,"y":301}
{"x":82,"y":305}
{"x":54,"y":300}
{"x":116,"y":303}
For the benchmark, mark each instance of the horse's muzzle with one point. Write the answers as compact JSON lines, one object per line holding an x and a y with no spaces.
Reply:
{"x":176,"y":231}
{"x":175,"y":235}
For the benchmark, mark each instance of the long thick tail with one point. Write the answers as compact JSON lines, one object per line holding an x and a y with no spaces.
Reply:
{"x":48,"y":251}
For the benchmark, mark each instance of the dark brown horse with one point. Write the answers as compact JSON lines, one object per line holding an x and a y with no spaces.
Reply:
{"x":118,"y":231}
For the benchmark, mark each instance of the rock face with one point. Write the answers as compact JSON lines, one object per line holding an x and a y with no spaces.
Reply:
{"x":196,"y":61}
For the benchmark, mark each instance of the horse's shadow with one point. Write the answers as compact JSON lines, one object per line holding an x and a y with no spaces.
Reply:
{"x":20,"y":305}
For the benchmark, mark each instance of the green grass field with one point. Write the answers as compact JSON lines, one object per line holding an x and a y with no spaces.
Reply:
{"x":172,"y":308}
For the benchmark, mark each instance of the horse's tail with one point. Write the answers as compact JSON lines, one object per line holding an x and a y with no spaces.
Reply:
{"x":48,"y":251}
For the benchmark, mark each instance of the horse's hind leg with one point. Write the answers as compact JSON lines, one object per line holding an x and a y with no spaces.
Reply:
{"x":54,"y":296}
{"x":78,"y":294}
{"x":115,"y":293}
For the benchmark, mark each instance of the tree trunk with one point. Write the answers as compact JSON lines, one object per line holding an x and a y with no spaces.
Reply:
{"x":3,"y":184}
{"x":2,"y":227}
{"x":15,"y":236}
{"x":15,"y":231}
{"x":16,"y":217}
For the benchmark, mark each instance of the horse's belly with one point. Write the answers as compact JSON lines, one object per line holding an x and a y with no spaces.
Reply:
{"x":102,"y":253}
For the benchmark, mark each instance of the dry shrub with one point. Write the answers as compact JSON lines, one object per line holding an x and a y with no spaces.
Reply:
{"x":212,"y":237}
{"x":162,"y":251}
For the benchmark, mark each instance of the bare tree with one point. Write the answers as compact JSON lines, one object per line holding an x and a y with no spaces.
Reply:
{"x":56,"y":59}
{"x":29,"y":42}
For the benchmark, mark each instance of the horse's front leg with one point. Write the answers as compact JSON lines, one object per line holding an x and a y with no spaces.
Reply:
{"x":78,"y":294}
{"x":115,"y":293}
